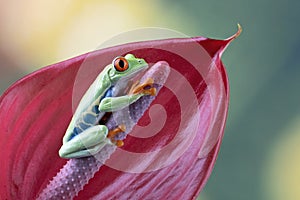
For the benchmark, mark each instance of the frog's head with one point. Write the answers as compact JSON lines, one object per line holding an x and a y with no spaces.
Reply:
{"x":125,"y":68}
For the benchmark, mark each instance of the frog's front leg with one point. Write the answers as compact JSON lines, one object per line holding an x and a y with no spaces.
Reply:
{"x":87,"y":143}
{"x":112,"y":104}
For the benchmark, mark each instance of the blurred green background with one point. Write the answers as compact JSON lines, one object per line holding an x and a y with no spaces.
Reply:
{"x":259,"y":157}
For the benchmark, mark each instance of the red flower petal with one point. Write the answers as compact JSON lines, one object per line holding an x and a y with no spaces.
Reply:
{"x":36,"y":110}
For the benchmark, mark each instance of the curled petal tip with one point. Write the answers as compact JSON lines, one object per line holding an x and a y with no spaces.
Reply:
{"x":237,"y":34}
{"x":228,"y":40}
{"x":240,"y":29}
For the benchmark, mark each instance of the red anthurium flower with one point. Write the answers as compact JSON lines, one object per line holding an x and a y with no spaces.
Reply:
{"x":188,"y":116}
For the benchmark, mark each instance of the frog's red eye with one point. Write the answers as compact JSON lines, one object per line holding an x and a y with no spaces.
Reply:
{"x":120,"y":64}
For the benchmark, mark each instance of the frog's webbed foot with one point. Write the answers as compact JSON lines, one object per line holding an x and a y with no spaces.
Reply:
{"x":112,"y":133}
{"x":143,"y":88}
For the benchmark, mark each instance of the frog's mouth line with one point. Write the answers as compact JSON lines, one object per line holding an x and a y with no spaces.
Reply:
{"x":125,"y":83}
{"x":137,"y":74}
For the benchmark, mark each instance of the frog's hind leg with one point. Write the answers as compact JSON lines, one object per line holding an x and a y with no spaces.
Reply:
{"x":87,"y":143}
{"x":86,"y":152}
{"x":112,"y":133}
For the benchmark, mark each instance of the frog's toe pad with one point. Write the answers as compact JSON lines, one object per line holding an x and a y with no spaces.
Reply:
{"x":119,"y":143}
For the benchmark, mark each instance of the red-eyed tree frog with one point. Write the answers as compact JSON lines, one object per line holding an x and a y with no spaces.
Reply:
{"x":84,"y":135}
